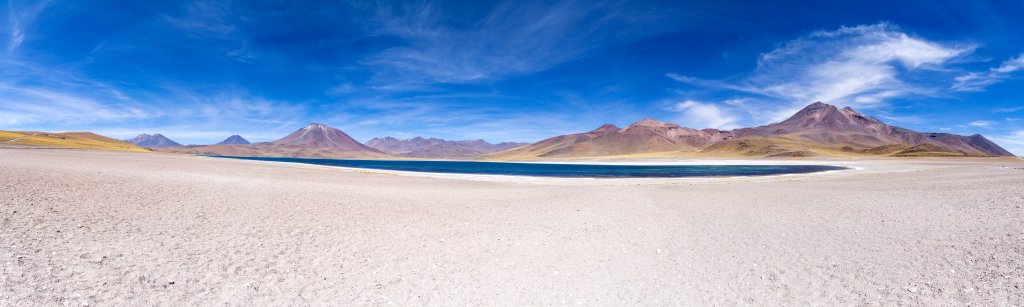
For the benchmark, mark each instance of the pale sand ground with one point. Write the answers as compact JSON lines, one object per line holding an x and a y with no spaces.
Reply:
{"x":108,"y":228}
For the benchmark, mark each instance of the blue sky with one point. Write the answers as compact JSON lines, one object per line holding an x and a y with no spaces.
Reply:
{"x":506,"y":70}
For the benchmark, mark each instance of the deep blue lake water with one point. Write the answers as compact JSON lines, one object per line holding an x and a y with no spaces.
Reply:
{"x":560,"y":170}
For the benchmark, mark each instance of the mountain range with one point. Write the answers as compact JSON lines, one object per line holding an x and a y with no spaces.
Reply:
{"x":313,"y":141}
{"x":819,"y":129}
{"x":420,"y":147}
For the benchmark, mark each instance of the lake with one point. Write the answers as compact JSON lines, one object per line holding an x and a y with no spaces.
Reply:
{"x":559,"y":170}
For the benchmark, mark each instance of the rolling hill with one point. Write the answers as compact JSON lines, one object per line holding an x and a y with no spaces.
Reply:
{"x":86,"y":140}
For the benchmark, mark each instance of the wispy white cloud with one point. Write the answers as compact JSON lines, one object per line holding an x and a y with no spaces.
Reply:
{"x":508,"y":39}
{"x":911,"y":119}
{"x":23,"y":105}
{"x":861,"y":66}
{"x":205,"y":19}
{"x":975,"y":81}
{"x":704,"y":115}
{"x":981,"y":123}
{"x":19,"y":18}
{"x":1009,"y":110}
{"x":1011,"y":65}
{"x":858,"y":66}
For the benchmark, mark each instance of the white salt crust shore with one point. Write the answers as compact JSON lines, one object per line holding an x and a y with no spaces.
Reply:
{"x":112,"y":228}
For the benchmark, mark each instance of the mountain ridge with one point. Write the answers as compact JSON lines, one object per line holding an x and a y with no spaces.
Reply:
{"x":420,"y":147}
{"x":817,"y":129}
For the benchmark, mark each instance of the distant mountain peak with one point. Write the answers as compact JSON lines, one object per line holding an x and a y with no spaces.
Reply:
{"x":820,"y":115}
{"x":234,"y":140}
{"x":155,"y":140}
{"x":316,"y":126}
{"x":320,"y":136}
{"x":650,"y":122}
{"x":818,"y":104}
{"x":607,"y":127}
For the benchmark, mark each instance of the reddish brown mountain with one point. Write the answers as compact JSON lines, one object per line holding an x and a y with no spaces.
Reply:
{"x":558,"y":143}
{"x":645,"y":136}
{"x":320,"y":136}
{"x":824,"y":124}
{"x":818,"y":129}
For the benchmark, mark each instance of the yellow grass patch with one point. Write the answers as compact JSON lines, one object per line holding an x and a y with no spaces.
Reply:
{"x":7,"y":135}
{"x":85,"y":140}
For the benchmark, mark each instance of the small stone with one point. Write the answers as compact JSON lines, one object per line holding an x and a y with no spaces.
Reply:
{"x":912,"y":289}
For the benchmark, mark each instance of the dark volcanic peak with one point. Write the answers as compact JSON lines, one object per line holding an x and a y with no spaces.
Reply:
{"x":155,"y":141}
{"x":234,"y":140}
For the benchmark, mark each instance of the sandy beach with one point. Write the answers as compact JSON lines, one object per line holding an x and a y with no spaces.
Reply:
{"x":104,"y":228}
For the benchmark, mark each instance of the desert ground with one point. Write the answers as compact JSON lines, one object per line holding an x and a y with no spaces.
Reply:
{"x":101,"y":228}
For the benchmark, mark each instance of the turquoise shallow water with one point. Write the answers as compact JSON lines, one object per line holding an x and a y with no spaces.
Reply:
{"x":560,"y":170}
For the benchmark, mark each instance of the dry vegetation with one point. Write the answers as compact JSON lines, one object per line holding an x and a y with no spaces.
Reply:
{"x":86,"y":140}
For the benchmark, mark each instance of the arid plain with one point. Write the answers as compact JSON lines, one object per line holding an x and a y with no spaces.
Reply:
{"x":84,"y":227}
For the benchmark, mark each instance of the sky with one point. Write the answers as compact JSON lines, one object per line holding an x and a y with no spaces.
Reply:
{"x":199,"y":71}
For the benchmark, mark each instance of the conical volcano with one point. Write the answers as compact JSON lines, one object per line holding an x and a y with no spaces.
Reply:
{"x":320,"y":136}
{"x":234,"y":140}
